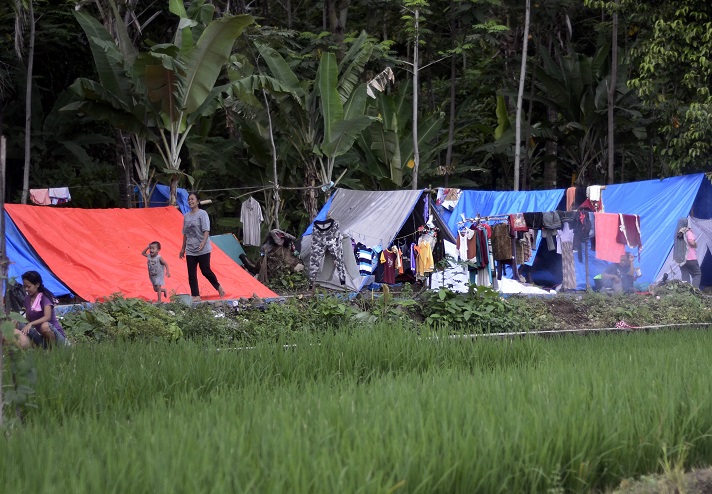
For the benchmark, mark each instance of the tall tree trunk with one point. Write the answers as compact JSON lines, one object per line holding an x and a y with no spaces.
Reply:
{"x":309,"y":194}
{"x":612,"y":93}
{"x":28,"y":105}
{"x":552,"y":151}
{"x":124,"y":161}
{"x":416,"y":151}
{"x":520,"y":96}
{"x":451,"y":127}
{"x":527,"y":160}
{"x":3,"y":266}
{"x":275,"y":193}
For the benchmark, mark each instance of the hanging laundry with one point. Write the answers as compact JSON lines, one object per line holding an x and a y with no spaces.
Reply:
{"x":40,"y":197}
{"x":59,"y":195}
{"x":449,"y":198}
{"x":570,"y":198}
{"x":388,"y":258}
{"x":251,"y":217}
{"x":607,"y":246}
{"x":501,"y":242}
{"x":564,"y":246}
{"x":364,"y":259}
{"x":630,"y":231}
{"x":326,"y":237}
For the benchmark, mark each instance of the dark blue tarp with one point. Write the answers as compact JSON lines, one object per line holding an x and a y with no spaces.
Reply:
{"x":24,"y":258}
{"x":161,"y":195}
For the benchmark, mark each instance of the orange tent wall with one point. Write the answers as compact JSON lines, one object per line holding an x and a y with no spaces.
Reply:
{"x":97,"y":252}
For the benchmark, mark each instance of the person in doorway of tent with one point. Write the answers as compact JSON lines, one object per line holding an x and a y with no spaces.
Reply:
{"x":621,"y":276}
{"x":197,"y":247}
{"x":157,"y":266}
{"x":42,"y":328}
{"x":685,"y":254}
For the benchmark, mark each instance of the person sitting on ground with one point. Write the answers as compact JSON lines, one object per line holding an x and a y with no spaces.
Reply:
{"x":621,"y":276}
{"x":157,"y":266}
{"x":42,"y":327}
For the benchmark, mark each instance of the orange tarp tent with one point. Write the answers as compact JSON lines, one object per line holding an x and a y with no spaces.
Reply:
{"x":97,"y":252}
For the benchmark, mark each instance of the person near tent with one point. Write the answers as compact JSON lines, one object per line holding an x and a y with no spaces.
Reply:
{"x":620,"y":277}
{"x":685,"y":253}
{"x":42,"y":328}
{"x":157,"y":267}
{"x":196,"y":247}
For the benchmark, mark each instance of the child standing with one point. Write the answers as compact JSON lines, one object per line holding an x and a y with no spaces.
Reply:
{"x":156,"y":267}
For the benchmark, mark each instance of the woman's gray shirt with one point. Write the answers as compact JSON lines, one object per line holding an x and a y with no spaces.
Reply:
{"x":194,"y":224}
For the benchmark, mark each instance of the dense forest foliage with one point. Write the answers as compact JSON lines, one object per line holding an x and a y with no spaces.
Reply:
{"x":282,"y":98}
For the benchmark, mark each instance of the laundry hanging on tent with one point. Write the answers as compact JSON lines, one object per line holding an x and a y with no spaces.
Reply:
{"x":251,"y":217}
{"x":50,"y":197}
{"x":630,"y":231}
{"x":607,"y":246}
{"x":326,"y":237}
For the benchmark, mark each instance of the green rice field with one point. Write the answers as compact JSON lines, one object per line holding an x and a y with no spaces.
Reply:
{"x":374,"y":411}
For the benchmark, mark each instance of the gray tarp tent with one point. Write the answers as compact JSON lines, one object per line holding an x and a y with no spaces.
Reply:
{"x":372,"y":218}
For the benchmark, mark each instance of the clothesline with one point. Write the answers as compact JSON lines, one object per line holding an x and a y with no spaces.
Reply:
{"x":478,"y":218}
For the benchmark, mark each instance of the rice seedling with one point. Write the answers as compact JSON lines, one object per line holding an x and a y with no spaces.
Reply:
{"x":366,"y":410}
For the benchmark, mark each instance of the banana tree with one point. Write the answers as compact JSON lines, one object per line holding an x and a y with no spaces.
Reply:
{"x":160,"y":94}
{"x":320,"y":118}
{"x":388,"y":143}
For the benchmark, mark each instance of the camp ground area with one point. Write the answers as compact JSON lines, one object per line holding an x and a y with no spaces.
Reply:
{"x":541,"y":242}
{"x":544,"y":241}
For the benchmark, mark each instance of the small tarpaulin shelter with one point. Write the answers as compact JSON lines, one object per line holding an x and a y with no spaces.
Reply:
{"x":372,"y":218}
{"x":97,"y":252}
{"x":230,"y":245}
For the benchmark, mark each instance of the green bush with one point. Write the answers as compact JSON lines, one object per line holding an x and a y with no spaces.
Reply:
{"x":482,"y":310}
{"x":121,"y":318}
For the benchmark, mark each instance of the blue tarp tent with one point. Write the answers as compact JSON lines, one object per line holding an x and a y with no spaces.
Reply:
{"x":161,"y":195}
{"x":23,"y":258}
{"x":493,"y":203}
{"x":659,"y":203}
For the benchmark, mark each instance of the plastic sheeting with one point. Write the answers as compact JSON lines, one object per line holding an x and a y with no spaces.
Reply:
{"x":230,"y":245}
{"x":97,"y":252}
{"x":161,"y":195}
{"x":660,"y":203}
{"x":492,"y":202}
{"x":23,"y":258}
{"x":370,"y":217}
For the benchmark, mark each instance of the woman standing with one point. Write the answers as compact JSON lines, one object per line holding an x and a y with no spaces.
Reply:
{"x":197,"y":247}
{"x":42,"y":328}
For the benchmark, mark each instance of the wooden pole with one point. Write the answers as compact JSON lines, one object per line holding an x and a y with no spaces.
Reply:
{"x":588,"y":282}
{"x":3,"y":266}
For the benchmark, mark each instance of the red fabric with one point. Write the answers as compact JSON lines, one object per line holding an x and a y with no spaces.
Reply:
{"x":97,"y":252}
{"x":607,"y":246}
{"x":630,"y":230}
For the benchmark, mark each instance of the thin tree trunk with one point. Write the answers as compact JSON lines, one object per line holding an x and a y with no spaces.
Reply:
{"x":612,"y":94}
{"x":124,"y":160}
{"x":28,"y":106}
{"x":552,"y":150}
{"x":416,"y":152}
{"x":3,"y":267}
{"x":520,"y":97}
{"x":527,"y":161}
{"x":451,"y":127}
{"x":275,"y":193}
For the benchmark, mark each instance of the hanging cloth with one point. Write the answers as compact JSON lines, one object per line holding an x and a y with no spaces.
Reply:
{"x":607,"y":246}
{"x":251,"y":217}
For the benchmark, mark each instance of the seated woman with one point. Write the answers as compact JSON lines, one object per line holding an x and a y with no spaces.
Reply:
{"x":42,"y":328}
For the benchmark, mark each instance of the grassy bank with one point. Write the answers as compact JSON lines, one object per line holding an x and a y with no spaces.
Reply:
{"x":365,"y":411}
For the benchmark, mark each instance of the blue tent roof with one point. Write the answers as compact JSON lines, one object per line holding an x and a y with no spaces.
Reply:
{"x":660,"y":203}
{"x":23,"y":258}
{"x":161,"y":195}
{"x":492,"y":202}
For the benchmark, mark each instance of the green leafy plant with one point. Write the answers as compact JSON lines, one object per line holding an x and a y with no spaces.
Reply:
{"x":19,"y":366}
{"x":480,"y":310}
{"x":122,"y":318}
